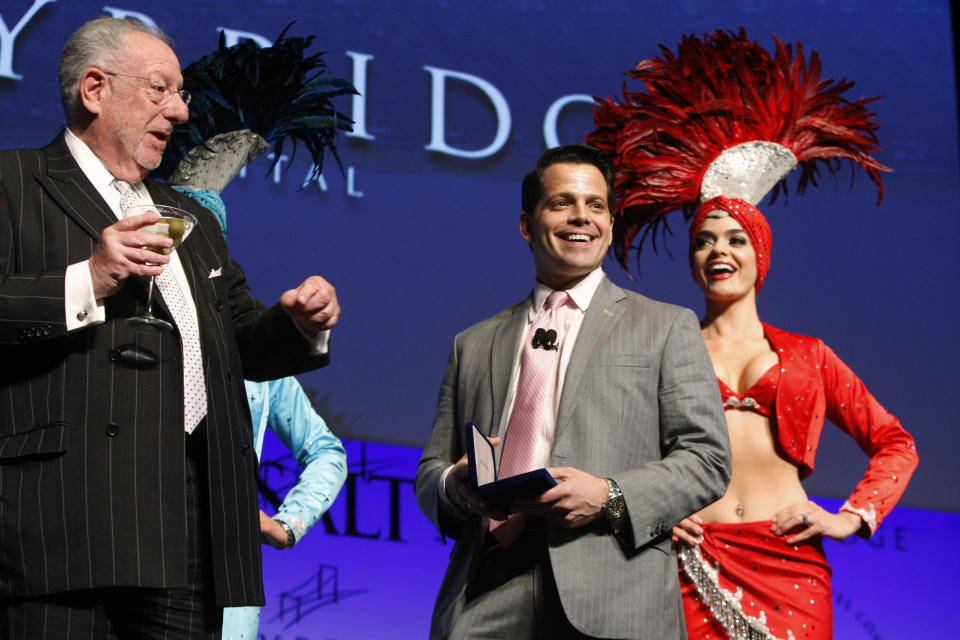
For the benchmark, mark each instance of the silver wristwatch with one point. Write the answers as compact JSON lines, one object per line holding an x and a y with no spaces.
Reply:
{"x":614,"y":507}
{"x":291,"y":539}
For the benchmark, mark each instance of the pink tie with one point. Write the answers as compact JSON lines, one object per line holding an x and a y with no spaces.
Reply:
{"x":538,"y":370}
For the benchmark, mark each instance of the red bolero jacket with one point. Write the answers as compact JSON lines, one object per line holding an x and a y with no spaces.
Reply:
{"x":815,"y":384}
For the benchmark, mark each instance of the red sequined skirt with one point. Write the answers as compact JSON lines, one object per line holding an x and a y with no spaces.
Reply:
{"x":744,"y":583}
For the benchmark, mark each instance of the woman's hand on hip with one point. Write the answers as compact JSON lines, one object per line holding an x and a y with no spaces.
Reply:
{"x":807,"y":519}
{"x":688,"y":531}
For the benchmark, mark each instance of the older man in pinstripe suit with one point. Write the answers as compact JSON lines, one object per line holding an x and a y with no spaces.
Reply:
{"x":127,"y":478}
{"x":626,"y":416}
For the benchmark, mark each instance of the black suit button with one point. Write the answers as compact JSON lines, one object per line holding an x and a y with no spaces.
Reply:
{"x":114,"y":355}
{"x":47,"y":330}
{"x":245,"y":449}
{"x":113,"y":429}
{"x":218,"y":304}
{"x":230,"y":376}
{"x":22,"y":334}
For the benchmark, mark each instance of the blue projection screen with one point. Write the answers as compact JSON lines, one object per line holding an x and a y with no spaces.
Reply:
{"x":419,"y":233}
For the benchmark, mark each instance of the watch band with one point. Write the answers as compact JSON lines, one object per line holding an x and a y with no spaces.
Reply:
{"x":291,"y":539}
{"x":615,"y":507}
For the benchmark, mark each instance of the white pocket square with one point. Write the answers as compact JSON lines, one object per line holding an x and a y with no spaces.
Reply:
{"x":215,"y":273}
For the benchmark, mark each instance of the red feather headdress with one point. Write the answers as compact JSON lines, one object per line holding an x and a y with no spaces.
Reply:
{"x":724,"y":117}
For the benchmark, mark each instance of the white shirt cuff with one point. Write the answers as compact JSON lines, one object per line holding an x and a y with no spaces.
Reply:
{"x":446,"y":504}
{"x":81,"y":308}
{"x":319,"y":344}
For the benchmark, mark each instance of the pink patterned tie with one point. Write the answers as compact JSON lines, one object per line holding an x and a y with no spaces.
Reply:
{"x":538,"y":370}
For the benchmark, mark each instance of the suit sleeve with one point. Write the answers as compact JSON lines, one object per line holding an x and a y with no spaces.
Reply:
{"x":31,"y":304}
{"x":694,"y":469}
{"x":892,"y":451}
{"x":443,"y":449}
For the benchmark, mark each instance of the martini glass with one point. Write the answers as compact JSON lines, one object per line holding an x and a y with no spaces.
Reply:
{"x":174,"y":223}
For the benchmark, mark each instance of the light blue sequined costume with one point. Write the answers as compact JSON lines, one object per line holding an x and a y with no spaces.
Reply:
{"x":283,"y":407}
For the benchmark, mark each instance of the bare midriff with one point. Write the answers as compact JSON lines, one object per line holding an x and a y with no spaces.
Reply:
{"x":763,"y":481}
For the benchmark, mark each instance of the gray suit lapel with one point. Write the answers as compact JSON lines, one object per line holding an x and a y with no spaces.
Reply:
{"x":502,"y":355}
{"x":598,"y":323}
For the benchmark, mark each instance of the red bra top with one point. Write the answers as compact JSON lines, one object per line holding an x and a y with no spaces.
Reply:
{"x":758,"y":398}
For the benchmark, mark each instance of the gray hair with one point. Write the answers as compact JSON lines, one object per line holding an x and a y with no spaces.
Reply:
{"x":96,"y":44}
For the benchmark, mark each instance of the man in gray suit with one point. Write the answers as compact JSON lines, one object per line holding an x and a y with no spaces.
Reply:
{"x":625,"y":413}
{"x":128,"y":500}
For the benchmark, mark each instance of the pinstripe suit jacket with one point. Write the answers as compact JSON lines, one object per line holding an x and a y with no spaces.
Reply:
{"x":91,"y":435}
{"x":640,"y":405}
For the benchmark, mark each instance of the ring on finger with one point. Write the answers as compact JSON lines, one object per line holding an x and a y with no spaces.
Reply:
{"x":806,"y":520}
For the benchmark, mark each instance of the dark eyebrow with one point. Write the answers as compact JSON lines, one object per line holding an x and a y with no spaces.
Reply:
{"x":568,"y":195}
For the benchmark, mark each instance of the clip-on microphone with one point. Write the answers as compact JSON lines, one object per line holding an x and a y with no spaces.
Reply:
{"x":546,"y":339}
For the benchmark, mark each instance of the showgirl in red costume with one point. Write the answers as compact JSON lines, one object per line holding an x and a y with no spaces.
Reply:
{"x":721,"y":124}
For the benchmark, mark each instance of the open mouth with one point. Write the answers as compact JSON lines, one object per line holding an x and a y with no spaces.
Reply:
{"x":161,"y":137}
{"x":576,"y":237}
{"x":720,"y":270}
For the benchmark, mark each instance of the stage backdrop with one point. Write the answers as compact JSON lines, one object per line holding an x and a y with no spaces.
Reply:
{"x":419,"y":234}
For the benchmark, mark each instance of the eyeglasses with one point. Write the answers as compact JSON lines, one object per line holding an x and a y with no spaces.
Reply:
{"x":157,"y":92}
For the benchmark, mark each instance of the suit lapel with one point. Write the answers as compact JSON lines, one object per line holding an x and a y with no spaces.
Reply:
{"x":502,"y":355}
{"x":67,"y":185}
{"x":598,"y":323}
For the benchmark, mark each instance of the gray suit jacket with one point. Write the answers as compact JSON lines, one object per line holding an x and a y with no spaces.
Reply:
{"x":640,"y":404}
{"x":91,"y":436}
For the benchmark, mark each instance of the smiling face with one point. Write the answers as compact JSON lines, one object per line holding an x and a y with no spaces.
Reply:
{"x":130,"y":132}
{"x":570,"y":229}
{"x":722,"y":259}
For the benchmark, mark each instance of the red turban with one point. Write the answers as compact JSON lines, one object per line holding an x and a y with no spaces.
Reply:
{"x":752,"y":221}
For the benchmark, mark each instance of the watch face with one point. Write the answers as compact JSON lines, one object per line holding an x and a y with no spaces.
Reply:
{"x":614,"y":507}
